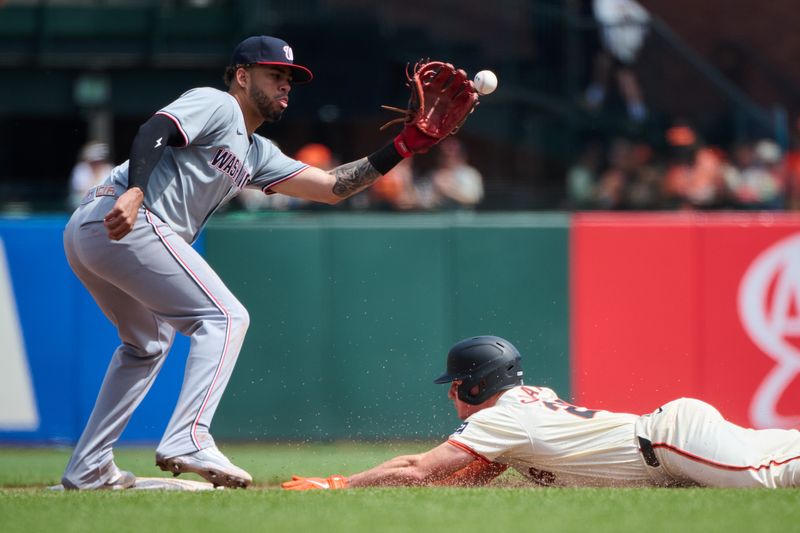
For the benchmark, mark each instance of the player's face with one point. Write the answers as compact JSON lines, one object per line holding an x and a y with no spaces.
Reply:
{"x":269,"y":90}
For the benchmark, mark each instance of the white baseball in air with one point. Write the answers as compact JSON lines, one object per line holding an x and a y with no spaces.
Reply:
{"x":485,"y":82}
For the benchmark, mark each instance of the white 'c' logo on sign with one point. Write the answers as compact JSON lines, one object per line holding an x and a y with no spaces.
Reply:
{"x":769,"y":308}
{"x":287,"y":51}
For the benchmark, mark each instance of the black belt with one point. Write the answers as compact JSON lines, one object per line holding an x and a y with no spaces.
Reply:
{"x":648,"y":452}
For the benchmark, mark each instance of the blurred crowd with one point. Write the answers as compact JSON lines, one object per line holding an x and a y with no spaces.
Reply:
{"x":447,"y":182}
{"x":615,"y":174}
{"x":628,"y":174}
{"x":681,"y":171}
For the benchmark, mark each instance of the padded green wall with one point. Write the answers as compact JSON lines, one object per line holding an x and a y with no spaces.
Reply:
{"x":352,"y":316}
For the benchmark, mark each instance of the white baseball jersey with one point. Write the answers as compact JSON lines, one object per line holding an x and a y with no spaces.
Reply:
{"x":685,"y":442}
{"x":554,"y":443}
{"x":216,"y":162}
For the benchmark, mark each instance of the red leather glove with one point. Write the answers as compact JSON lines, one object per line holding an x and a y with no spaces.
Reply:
{"x":442,"y":97}
{"x":315,"y":483}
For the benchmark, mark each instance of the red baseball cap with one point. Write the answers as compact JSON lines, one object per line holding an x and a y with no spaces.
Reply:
{"x":266,"y":50}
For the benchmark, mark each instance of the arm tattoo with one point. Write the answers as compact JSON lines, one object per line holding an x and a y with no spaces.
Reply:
{"x":352,"y":177}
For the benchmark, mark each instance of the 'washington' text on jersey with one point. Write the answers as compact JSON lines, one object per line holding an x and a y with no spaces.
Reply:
{"x":227,"y":162}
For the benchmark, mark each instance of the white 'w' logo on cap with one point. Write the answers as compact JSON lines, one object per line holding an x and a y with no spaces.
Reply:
{"x":287,"y":50}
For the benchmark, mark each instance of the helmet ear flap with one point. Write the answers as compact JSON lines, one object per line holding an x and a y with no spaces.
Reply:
{"x":472,"y":391}
{"x":467,"y":392}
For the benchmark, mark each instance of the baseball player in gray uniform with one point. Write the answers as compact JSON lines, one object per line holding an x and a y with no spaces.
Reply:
{"x":129,"y":242}
{"x":553,"y":443}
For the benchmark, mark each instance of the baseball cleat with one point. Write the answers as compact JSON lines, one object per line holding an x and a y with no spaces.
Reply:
{"x":209,"y":463}
{"x":125,"y":480}
{"x":119,"y":480}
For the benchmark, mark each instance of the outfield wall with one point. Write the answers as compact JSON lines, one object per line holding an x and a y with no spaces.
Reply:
{"x":351,"y":316}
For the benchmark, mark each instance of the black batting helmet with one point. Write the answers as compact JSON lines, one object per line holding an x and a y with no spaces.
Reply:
{"x":491,"y":363}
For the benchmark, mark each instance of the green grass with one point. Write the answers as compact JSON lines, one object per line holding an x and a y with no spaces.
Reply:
{"x":26,"y":506}
{"x":269,"y":463}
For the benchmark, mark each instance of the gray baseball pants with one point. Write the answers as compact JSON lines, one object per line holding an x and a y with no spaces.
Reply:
{"x":150,"y":284}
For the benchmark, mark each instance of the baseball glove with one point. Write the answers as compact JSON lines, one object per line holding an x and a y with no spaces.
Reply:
{"x":442,"y":97}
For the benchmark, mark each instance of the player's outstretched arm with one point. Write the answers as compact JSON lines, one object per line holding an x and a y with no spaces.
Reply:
{"x":406,"y":470}
{"x":475,"y":474}
{"x":421,"y":469}
{"x":343,"y":181}
{"x":333,"y":186}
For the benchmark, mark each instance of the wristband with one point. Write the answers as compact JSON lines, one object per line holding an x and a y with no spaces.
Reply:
{"x":385,"y":159}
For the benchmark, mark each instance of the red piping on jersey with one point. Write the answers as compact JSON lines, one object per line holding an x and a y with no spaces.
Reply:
{"x":266,"y":189}
{"x":720,"y":465}
{"x":178,"y":124}
{"x":473,"y":453}
{"x":221,"y":307}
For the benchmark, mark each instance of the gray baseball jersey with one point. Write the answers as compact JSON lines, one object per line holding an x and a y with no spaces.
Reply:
{"x":686,"y":442}
{"x":152,"y":283}
{"x":218,"y":160}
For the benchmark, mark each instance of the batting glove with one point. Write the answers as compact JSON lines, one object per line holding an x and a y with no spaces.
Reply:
{"x":315,"y":483}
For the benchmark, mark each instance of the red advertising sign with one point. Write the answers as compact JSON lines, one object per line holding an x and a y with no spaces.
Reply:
{"x":699,"y":305}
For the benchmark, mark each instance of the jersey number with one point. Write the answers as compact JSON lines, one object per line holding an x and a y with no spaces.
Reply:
{"x":558,"y":404}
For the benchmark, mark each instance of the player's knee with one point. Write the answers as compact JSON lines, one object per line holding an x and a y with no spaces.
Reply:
{"x":148,"y":351}
{"x":240,"y":318}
